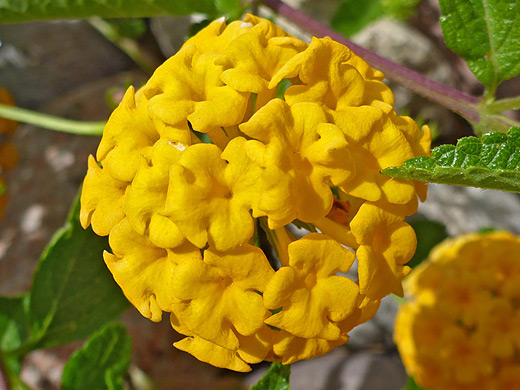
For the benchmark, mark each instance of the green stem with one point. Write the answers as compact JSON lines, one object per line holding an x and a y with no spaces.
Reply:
{"x":127,"y":45}
{"x":504,"y":104}
{"x":51,"y":122}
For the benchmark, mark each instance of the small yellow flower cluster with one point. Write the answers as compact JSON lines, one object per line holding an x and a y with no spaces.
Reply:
{"x":461,"y":330}
{"x":8,"y":152}
{"x":182,"y":215}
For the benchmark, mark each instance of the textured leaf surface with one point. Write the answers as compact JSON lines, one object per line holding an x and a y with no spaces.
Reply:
{"x":353,"y":15}
{"x":101,"y":363}
{"x":486,"y":33}
{"x":73,"y":293}
{"x":12,"y":11}
{"x":277,"y":378}
{"x":492,"y":162}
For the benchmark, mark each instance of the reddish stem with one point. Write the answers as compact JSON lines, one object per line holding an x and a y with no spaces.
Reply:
{"x":451,"y":98}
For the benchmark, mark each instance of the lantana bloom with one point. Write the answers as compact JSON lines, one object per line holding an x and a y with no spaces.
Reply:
{"x":459,"y":328}
{"x":298,"y":134}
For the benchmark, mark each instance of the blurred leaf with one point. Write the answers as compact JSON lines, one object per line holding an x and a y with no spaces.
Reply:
{"x":232,"y":9}
{"x":400,"y":9}
{"x":101,"y":363}
{"x":411,"y":385}
{"x":132,"y":28}
{"x":486,"y":33}
{"x":429,"y":233}
{"x":13,"y":11}
{"x":13,"y":322}
{"x":277,"y":378}
{"x":353,"y":15}
{"x":492,"y":162}
{"x":73,"y":293}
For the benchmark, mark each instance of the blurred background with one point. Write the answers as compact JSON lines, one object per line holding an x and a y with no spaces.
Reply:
{"x":80,"y":69}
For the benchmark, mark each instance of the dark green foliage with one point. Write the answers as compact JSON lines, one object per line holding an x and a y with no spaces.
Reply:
{"x":492,"y":162}
{"x":486,"y":33}
{"x":277,"y":378}
{"x":101,"y":363}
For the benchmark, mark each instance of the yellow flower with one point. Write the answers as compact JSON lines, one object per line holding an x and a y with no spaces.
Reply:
{"x":301,"y":156}
{"x":379,"y":139}
{"x":102,"y":199}
{"x":215,"y":37}
{"x":212,"y":353}
{"x":144,"y":271}
{"x":386,"y":243}
{"x":193,"y":86}
{"x":252,"y":349}
{"x":293,"y":349}
{"x":210,"y":195}
{"x":224,"y":291}
{"x":459,"y":330}
{"x":253,"y":58}
{"x":181,"y":214}
{"x":333,"y":76}
{"x":128,"y":136}
{"x":145,"y":200}
{"x":312,"y":297}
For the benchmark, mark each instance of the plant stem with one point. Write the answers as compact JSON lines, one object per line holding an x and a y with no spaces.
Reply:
{"x":51,"y":122}
{"x":504,"y":104}
{"x":451,"y":98}
{"x":127,"y":45}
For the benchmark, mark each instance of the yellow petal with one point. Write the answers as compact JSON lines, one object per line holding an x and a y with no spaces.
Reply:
{"x":223,"y":290}
{"x":102,"y":199}
{"x":312,"y":297}
{"x":213,"y":354}
{"x":143,"y":271}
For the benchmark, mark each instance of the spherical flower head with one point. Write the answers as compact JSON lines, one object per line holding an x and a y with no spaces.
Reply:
{"x":295,"y":134}
{"x":460,"y":328}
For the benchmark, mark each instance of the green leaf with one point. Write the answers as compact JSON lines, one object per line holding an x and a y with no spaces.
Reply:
{"x":233,"y":9}
{"x":429,"y":233}
{"x":101,"y":363}
{"x":73,"y":293}
{"x":13,"y":322}
{"x":13,"y":11}
{"x":277,"y":378}
{"x":486,"y":33}
{"x":400,"y":9}
{"x":492,"y":162}
{"x":353,"y":15}
{"x":411,"y":385}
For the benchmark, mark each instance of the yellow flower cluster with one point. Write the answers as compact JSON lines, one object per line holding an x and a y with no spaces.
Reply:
{"x":8,"y":152}
{"x":461,"y":330}
{"x":183,"y":216}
